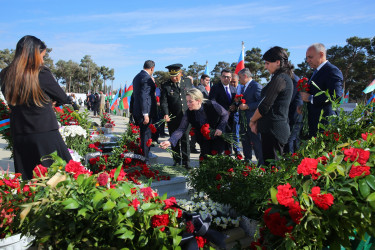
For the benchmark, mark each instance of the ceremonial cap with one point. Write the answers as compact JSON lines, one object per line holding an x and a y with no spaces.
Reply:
{"x":174,"y":69}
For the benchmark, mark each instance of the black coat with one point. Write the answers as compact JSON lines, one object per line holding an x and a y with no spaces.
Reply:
{"x":143,"y":98}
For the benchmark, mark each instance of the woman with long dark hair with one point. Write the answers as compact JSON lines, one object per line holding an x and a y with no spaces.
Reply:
{"x":271,"y":116}
{"x":29,"y":89}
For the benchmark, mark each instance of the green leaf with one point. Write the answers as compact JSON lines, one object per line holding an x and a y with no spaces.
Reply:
{"x":130,"y":212}
{"x":80,"y":179}
{"x":331,"y":167}
{"x":340,"y":170}
{"x":364,"y":189}
{"x":306,"y":186}
{"x":113,"y":194}
{"x":109,"y":205}
{"x":371,"y":181}
{"x":117,"y":173}
{"x":371,"y":197}
{"x":98,"y":197}
{"x":82,"y":212}
{"x":306,"y":199}
{"x":273,"y":195}
{"x":70,"y":204}
{"x":127,"y":235}
{"x":148,"y":206}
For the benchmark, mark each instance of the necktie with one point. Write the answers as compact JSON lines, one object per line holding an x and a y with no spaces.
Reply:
{"x":228,"y":94}
{"x":242,"y":89}
{"x":314,"y":73}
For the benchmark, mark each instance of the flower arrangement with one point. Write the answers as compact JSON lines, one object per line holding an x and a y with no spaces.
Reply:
{"x":75,"y":137}
{"x":73,"y":208}
{"x":105,"y":118}
{"x":208,"y":134}
{"x":303,"y":85}
{"x":13,"y":193}
{"x":67,"y":116}
{"x":220,"y":214}
{"x":5,"y":133}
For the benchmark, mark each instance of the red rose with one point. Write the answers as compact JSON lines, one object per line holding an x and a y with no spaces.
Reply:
{"x":309,"y":166}
{"x":239,"y":157}
{"x":285,"y":194}
{"x":205,"y":130}
{"x":103,"y":179}
{"x":152,"y":128}
{"x":230,"y":170}
{"x":93,"y":161}
{"x":323,"y":201}
{"x":135,"y":203}
{"x":160,"y":220}
{"x":213,"y":152}
{"x":201,"y":158}
{"x":227,"y":152}
{"x":170,"y":203}
{"x":243,"y":101}
{"x":358,"y":171}
{"x":218,"y":177}
{"x":149,"y":142}
{"x":40,"y":171}
{"x":358,"y":154}
{"x":364,"y":136}
{"x":276,"y":224}
{"x":218,"y":186}
{"x":148,"y":193}
{"x":323,"y":160}
{"x":192,"y":132}
{"x":295,"y":212}
{"x":127,"y":161}
{"x":201,"y":241}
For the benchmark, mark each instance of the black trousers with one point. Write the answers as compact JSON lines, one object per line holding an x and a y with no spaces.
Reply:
{"x":182,"y":148}
{"x":145,"y":135}
{"x":271,"y":147}
{"x":208,"y":146}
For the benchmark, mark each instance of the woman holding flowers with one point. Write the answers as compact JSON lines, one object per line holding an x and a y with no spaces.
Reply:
{"x":203,"y":115}
{"x":271,"y":116}
{"x":30,"y":88}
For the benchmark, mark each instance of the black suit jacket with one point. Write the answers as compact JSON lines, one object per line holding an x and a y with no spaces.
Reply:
{"x":218,"y":94}
{"x":144,"y":96}
{"x":330,"y":78}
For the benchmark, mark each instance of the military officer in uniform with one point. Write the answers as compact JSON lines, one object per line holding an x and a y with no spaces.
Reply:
{"x":173,"y":103}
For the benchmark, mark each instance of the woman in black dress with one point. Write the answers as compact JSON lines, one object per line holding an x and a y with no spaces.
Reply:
{"x":201,"y":111}
{"x":271,"y":116}
{"x":29,"y":89}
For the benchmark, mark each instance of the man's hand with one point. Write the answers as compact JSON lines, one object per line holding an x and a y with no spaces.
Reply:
{"x":299,"y":109}
{"x":305,"y":96}
{"x":165,"y":144}
{"x":254,"y":126}
{"x":243,"y":106}
{"x":146,"y":119}
{"x":166,"y":118}
{"x":218,"y":132}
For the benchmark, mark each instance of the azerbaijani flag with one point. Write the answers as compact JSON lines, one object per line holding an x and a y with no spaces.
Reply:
{"x":127,"y":96}
{"x":241,"y":60}
{"x":122,"y":105}
{"x":345,"y":98}
{"x":114,"y":101}
{"x":4,"y":124}
{"x":370,"y":87}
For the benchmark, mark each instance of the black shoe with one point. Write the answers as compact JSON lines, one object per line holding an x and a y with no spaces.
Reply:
{"x":194,"y":151}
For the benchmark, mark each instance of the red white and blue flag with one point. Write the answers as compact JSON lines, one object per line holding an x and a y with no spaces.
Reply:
{"x":241,"y":60}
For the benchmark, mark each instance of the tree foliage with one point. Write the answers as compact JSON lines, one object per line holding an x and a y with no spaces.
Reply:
{"x":216,"y":72}
{"x":195,"y":70}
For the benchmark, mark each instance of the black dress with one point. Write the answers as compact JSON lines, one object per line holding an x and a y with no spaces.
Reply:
{"x":34,"y":129}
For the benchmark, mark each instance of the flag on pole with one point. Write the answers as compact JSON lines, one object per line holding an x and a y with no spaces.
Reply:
{"x":4,"y":124}
{"x":370,"y":87}
{"x":241,"y":60}
{"x":114,"y":101}
{"x":371,"y":99}
{"x":128,"y":94}
{"x":345,"y":98}
{"x":122,"y":105}
{"x":208,"y":88}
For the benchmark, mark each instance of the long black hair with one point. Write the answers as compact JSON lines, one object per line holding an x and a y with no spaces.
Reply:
{"x":278,"y":53}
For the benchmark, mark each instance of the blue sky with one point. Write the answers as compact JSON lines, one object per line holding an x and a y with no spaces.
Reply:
{"x":123,"y":34}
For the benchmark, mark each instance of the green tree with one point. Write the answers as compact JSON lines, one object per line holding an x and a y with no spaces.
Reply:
{"x":161,"y":77}
{"x":216,"y":72}
{"x":6,"y":57}
{"x":195,"y":70}
{"x":91,"y":69}
{"x":303,"y":70}
{"x":253,"y":61}
{"x":106,"y":74}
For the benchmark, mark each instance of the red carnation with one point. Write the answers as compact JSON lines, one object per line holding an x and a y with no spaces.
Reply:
{"x":227,"y":152}
{"x":190,"y":227}
{"x":152,"y":128}
{"x":239,"y":157}
{"x":103,"y":179}
{"x":364,"y":136}
{"x":135,"y":203}
{"x":205,"y":130}
{"x":201,"y":241}
{"x":218,"y":177}
{"x":358,"y":171}
{"x":309,"y":166}
{"x":192,"y":132}
{"x":276,"y":224}
{"x":40,"y":171}
{"x":213,"y":152}
{"x":285,"y":194}
{"x":170,"y":203}
{"x":295,"y":212}
{"x":358,"y":154}
{"x":148,"y":193}
{"x":121,"y":175}
{"x":157,"y":99}
{"x":243,"y":101}
{"x":160,"y":220}
{"x":218,"y":186}
{"x":323,"y":201}
{"x":149,"y":142}
{"x":127,"y":161}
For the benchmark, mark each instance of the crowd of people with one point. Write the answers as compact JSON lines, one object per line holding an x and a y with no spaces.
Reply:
{"x":264,"y":119}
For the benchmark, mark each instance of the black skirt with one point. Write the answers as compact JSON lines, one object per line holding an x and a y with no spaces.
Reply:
{"x":29,"y":148}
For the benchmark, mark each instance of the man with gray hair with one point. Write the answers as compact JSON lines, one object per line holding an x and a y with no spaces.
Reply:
{"x":250,"y":90}
{"x":327,"y":77}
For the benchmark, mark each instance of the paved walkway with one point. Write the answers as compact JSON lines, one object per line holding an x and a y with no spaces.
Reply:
{"x":163,"y":157}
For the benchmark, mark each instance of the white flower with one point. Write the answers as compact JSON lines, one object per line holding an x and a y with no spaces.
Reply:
{"x":217,"y":220}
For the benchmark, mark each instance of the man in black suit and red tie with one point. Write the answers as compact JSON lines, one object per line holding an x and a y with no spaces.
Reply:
{"x":327,"y":77}
{"x":144,"y":106}
{"x":224,"y":93}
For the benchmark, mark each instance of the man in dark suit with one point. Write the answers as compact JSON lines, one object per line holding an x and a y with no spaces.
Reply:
{"x":250,"y":90}
{"x":223,"y":93}
{"x":295,"y":117}
{"x":173,"y":103}
{"x":327,"y":77}
{"x":202,"y":86}
{"x":144,"y":103}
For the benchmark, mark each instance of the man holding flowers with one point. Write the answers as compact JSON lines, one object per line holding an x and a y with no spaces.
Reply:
{"x":250,"y":91}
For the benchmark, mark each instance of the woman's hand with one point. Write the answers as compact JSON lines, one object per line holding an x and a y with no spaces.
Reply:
{"x":254,"y":126}
{"x":218,"y":132}
{"x":165,"y":144}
